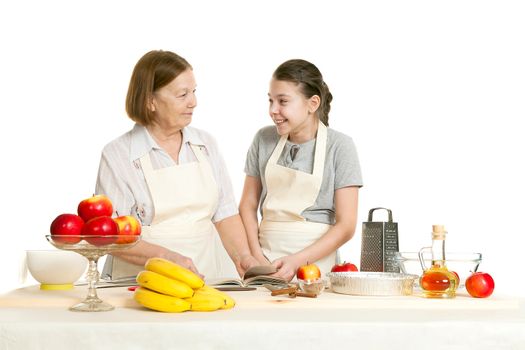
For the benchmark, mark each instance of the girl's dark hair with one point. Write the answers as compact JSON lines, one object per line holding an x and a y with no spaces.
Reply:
{"x":153,"y":71}
{"x":310,"y":81}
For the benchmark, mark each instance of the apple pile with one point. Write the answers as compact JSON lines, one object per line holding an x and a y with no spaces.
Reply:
{"x":95,"y":222}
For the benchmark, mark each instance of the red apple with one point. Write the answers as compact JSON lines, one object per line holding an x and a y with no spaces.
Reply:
{"x":480,"y":285}
{"x":67,"y":225}
{"x":101,"y":227}
{"x":344,"y":267}
{"x":127,"y":226}
{"x":308,"y":272}
{"x":98,"y":205}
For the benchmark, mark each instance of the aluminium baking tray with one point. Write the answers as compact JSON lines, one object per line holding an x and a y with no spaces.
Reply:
{"x":372,"y":283}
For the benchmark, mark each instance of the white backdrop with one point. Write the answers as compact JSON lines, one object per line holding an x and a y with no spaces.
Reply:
{"x":431,"y":92}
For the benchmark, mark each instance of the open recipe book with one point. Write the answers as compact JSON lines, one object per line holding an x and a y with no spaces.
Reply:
{"x":254,"y":277}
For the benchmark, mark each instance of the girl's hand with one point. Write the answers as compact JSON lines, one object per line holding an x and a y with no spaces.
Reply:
{"x":258,"y":254}
{"x":286,"y":267}
{"x":245,"y":262}
{"x":261,"y":259}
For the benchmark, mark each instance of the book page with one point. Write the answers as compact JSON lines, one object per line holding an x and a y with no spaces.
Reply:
{"x":224,"y":282}
{"x":261,"y":280}
{"x":259,"y":270}
{"x":254,"y":276}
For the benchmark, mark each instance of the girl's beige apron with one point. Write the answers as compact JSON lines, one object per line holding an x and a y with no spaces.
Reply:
{"x":283,"y":231}
{"x":185,"y":197}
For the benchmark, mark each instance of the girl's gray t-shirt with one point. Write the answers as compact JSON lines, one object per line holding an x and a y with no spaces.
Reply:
{"x":341,"y":168}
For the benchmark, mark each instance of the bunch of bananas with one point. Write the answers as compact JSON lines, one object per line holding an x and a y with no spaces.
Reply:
{"x":168,"y":287}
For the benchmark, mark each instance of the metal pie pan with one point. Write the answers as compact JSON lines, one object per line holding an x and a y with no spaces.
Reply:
{"x":372,"y":283}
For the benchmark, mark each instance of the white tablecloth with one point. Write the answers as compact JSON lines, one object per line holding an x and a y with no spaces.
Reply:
{"x":35,"y":319}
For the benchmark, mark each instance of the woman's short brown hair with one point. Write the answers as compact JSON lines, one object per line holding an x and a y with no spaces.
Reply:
{"x":153,"y":71}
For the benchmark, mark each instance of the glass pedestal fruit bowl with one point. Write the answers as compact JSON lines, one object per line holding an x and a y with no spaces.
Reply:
{"x":92,"y":247}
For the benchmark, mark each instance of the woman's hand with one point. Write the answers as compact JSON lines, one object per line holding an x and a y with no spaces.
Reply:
{"x":286,"y":267}
{"x":142,"y":251}
{"x":183,"y":261}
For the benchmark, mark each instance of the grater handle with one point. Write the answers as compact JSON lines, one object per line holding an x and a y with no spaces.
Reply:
{"x":372,"y":211}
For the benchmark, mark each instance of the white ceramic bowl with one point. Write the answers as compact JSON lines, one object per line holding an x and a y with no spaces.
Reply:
{"x":55,"y":269}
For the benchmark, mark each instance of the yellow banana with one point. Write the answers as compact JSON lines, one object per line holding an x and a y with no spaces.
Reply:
{"x":229,"y":302}
{"x":205,"y":302}
{"x":172,"y":270}
{"x":160,"y":302}
{"x":209,"y":289}
{"x":161,"y":284}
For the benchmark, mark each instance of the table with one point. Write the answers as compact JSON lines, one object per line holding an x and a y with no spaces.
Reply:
{"x":35,"y":319}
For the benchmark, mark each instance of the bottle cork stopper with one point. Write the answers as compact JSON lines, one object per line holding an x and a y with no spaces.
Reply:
{"x":438,"y":231}
{"x":438,"y":228}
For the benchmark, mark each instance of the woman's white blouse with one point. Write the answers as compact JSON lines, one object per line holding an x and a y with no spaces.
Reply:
{"x":120,"y":176}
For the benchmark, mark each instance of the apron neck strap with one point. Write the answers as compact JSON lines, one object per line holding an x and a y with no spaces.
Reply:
{"x":145,"y":160}
{"x":197,"y":150}
{"x":278,"y":150}
{"x":320,"y":150}
{"x":145,"y":164}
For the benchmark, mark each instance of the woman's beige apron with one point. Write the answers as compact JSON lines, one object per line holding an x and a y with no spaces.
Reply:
{"x":283,"y":231}
{"x":185,"y":198}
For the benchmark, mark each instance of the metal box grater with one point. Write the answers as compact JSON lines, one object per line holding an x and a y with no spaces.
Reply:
{"x":379,"y":243}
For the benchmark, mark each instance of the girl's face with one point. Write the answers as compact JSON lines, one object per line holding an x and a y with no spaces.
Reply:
{"x":173,"y":104}
{"x":290,"y":110}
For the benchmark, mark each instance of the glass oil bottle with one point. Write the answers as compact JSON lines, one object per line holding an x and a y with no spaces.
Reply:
{"x":437,"y":281}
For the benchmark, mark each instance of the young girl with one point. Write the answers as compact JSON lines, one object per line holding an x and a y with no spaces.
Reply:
{"x":304,"y":175}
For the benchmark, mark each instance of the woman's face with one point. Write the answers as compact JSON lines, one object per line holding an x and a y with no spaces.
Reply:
{"x":173,"y":104}
{"x":290,"y":110}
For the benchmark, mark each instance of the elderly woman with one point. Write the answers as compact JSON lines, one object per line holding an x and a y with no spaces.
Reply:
{"x":171,"y":177}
